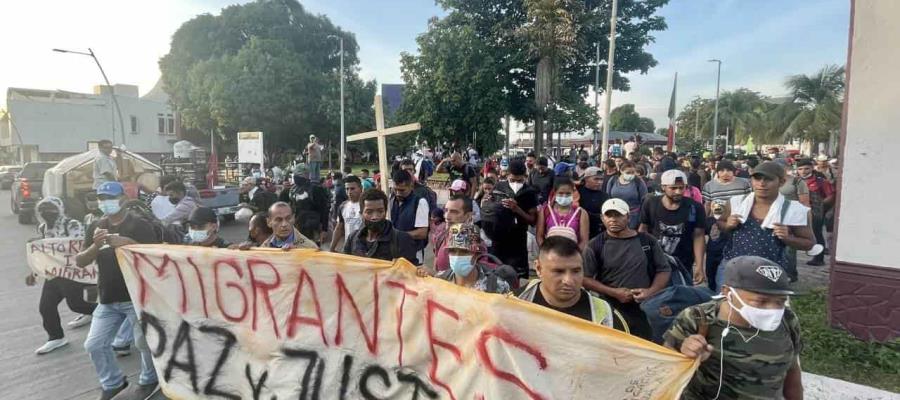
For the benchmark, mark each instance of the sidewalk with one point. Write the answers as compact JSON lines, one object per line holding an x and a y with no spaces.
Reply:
{"x":817,"y":387}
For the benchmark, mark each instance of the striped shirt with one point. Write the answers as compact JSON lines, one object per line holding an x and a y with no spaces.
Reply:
{"x":716,"y":190}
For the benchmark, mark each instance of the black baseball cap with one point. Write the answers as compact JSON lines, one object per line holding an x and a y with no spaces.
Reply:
{"x":202,"y":216}
{"x":757,"y":274}
{"x":770,"y":169}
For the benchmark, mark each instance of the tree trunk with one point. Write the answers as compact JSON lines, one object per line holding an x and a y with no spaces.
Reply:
{"x":539,"y":133}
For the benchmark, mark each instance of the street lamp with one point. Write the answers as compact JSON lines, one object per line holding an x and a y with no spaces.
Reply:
{"x":716,"y":115}
{"x":341,"y":39}
{"x":112,"y":93}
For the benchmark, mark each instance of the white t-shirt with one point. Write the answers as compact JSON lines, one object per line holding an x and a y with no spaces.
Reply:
{"x":161,"y":206}
{"x":351,"y":218}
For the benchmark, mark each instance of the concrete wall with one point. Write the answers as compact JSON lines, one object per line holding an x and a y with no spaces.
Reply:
{"x":65,"y":124}
{"x":865,"y":281}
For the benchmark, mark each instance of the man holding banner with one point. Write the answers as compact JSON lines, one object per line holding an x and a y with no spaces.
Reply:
{"x":117,"y":228}
{"x":53,"y":223}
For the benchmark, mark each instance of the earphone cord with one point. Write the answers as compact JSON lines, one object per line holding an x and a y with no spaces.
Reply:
{"x":722,"y":351}
{"x":722,"y":356}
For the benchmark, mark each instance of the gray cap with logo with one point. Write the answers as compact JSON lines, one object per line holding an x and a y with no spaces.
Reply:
{"x":757,"y":274}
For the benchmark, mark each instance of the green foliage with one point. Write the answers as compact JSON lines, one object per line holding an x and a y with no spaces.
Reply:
{"x":450,"y":90}
{"x":813,"y":111}
{"x":624,"y":119}
{"x":834,"y":353}
{"x":817,"y":102}
{"x":268,"y":66}
{"x":509,"y":37}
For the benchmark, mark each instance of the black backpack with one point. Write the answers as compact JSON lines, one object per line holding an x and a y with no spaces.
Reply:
{"x":171,"y":234}
{"x":496,"y":219}
{"x":680,"y":274}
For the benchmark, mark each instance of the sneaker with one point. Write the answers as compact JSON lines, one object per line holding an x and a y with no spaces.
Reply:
{"x":51,"y":345}
{"x":139,"y":392}
{"x":815,"y":263}
{"x":109,"y":394}
{"x":122,"y":351}
{"x":79,"y":321}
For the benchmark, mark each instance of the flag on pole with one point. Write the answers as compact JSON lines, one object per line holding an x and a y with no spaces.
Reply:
{"x":670,"y":142}
{"x":212,"y":175}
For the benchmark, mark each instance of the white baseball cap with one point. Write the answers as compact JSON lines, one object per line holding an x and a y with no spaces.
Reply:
{"x":669,"y":177}
{"x":617,"y":205}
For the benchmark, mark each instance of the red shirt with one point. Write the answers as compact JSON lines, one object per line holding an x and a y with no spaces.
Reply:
{"x":821,"y":186}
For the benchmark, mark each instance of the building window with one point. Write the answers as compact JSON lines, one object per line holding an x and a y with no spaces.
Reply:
{"x":134,"y":125}
{"x":171,"y":125}
{"x":162,"y":123}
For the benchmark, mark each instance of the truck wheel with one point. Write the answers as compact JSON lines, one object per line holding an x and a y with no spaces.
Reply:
{"x":25,"y":218}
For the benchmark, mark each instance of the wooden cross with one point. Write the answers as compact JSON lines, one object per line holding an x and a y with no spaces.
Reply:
{"x":381,"y":134}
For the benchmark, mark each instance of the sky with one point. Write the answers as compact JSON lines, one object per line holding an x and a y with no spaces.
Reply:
{"x":760,"y":42}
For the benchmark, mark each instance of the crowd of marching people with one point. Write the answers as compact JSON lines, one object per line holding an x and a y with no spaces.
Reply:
{"x":638,"y":243}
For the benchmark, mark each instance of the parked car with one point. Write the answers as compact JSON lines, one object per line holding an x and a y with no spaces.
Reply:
{"x":8,"y":175}
{"x":26,"y":190}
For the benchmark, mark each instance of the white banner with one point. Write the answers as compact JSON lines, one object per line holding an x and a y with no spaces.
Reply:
{"x":305,"y":324}
{"x":250,"y":148}
{"x":55,"y":258}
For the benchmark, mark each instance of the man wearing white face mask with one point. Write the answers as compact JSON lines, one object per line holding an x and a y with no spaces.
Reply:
{"x":204,"y":229}
{"x":512,"y":209}
{"x":748,"y":342}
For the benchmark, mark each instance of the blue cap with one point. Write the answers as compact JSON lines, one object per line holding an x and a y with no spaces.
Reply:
{"x":111,"y":189}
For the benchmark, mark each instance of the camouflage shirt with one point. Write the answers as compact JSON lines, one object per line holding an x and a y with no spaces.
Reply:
{"x":753,"y":370}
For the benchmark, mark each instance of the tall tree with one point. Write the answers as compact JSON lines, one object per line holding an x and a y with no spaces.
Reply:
{"x":625,"y":119}
{"x":498,"y":25}
{"x":817,"y":102}
{"x":550,"y":33}
{"x":268,"y":66}
{"x":450,"y":87}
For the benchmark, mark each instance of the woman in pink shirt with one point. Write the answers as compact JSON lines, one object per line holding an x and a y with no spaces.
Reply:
{"x":561,"y":213}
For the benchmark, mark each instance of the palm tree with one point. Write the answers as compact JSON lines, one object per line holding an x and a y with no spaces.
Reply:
{"x":742,"y":114}
{"x":550,"y":32}
{"x":815,"y":110}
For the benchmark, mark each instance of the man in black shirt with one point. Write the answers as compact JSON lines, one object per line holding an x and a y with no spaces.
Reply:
{"x":116,"y":228}
{"x":513,"y":205}
{"x":457,"y":168}
{"x":677,"y":222}
{"x":311,"y":203}
{"x":378,"y":238}
{"x":541,"y":178}
{"x":592,"y":197}
{"x":625,"y":267}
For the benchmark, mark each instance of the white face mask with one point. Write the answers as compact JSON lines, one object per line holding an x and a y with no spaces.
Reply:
{"x":628,"y":177}
{"x":564,"y":201}
{"x":760,"y":318}
{"x":516,"y":186}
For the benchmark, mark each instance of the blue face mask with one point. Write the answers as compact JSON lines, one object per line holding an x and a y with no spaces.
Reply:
{"x":198,"y":236}
{"x":109,"y":207}
{"x":461,"y":265}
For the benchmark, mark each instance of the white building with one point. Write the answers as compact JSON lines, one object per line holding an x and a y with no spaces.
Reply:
{"x":50,"y":125}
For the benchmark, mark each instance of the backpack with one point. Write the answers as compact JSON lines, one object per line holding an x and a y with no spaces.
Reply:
{"x":171,"y":234}
{"x":496,"y":219}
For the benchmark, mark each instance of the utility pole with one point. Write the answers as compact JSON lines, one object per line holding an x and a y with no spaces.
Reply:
{"x":716,"y":117}
{"x":597,"y":96}
{"x":609,"y":78}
